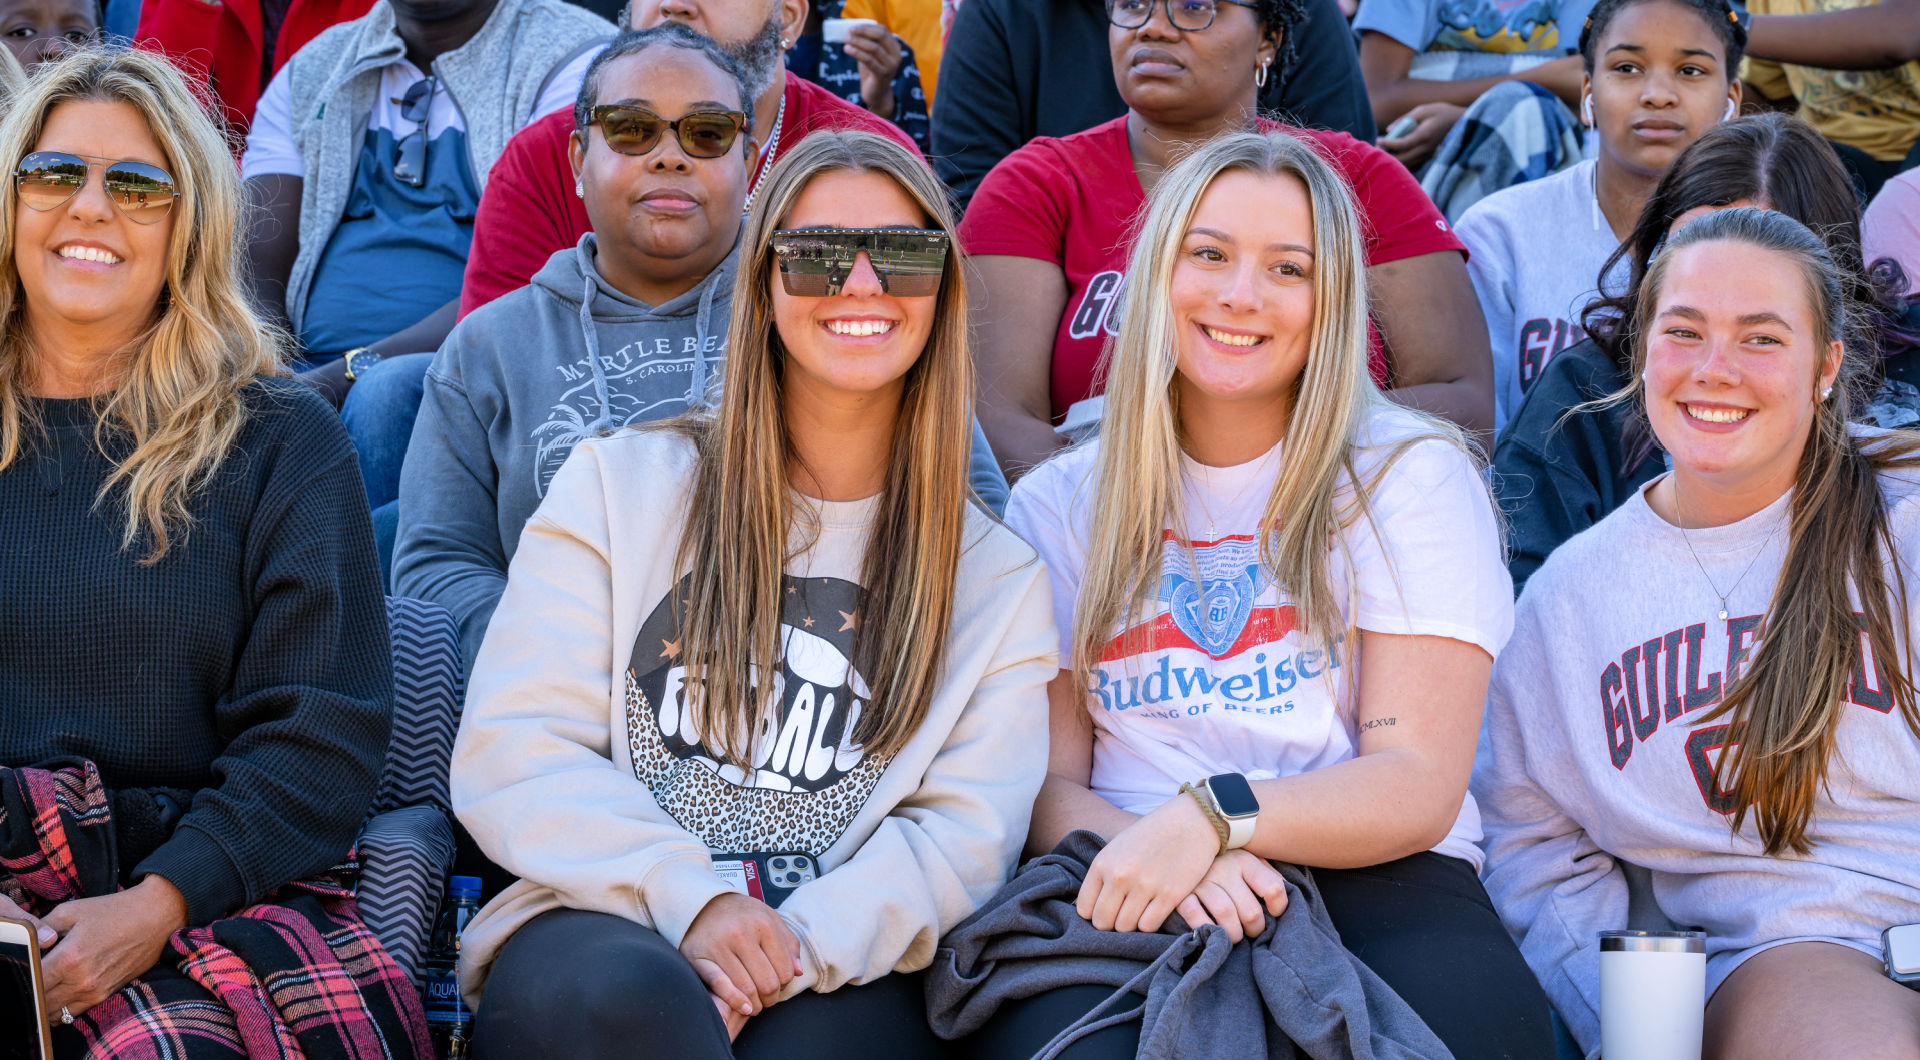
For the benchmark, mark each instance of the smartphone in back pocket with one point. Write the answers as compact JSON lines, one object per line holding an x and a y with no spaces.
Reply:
{"x":767,"y":875}
{"x":23,"y":1016}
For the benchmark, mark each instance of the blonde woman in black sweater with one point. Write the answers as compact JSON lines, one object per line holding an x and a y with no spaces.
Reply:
{"x":198,"y":694}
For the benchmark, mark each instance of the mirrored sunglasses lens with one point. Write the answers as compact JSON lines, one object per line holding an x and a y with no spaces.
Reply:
{"x":707,"y":136}
{"x":910,"y":266}
{"x":630,"y":133}
{"x":910,"y":283}
{"x":46,"y":181}
{"x":811,"y":279}
{"x":144,"y":192}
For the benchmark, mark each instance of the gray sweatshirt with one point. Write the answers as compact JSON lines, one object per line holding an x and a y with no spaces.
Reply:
{"x":1594,"y":756}
{"x":517,"y":385}
{"x":1535,"y":253}
{"x":1293,"y":985}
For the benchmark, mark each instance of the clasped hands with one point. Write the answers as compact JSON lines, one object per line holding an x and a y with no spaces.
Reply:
{"x":92,"y":947}
{"x":744,"y":952}
{"x":1170,"y":862}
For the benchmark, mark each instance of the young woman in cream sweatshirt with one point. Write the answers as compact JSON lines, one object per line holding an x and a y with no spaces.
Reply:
{"x":778,"y":627}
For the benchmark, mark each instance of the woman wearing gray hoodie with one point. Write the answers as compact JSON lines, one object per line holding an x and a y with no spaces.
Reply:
{"x":625,"y":327}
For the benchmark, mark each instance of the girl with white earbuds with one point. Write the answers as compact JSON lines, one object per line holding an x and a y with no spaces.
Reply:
{"x":1658,"y":74}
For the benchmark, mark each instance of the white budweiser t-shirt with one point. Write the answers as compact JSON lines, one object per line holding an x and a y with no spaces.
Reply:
{"x":1223,"y":677}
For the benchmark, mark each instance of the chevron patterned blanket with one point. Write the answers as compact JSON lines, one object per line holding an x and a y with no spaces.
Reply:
{"x":296,"y":976}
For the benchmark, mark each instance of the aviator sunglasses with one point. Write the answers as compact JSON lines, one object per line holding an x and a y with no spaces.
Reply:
{"x":142,"y":191}
{"x":632,"y":130}
{"x":815,"y":262}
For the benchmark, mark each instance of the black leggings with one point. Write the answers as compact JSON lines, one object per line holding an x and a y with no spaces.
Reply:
{"x":1422,"y":923}
{"x":581,"y":986}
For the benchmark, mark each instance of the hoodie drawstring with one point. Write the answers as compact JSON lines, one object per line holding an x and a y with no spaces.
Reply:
{"x":604,"y":422}
{"x":697,"y":392}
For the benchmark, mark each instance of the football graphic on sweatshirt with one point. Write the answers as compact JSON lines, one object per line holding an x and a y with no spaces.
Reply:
{"x":807,"y":775}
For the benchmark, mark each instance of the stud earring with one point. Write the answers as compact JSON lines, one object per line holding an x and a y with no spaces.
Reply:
{"x":785,"y":44}
{"x":1825,"y":393}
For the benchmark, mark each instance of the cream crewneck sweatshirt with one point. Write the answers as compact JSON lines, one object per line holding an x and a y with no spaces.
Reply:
{"x":574,"y":771}
{"x":1593,"y":753}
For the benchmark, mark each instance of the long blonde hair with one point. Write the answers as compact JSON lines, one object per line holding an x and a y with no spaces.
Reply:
{"x":177,"y":400}
{"x":736,"y":542}
{"x":12,"y":77}
{"x":1137,"y":480}
{"x":1784,"y":711}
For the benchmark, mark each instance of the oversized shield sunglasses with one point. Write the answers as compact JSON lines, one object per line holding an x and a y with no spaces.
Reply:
{"x":815,"y":262}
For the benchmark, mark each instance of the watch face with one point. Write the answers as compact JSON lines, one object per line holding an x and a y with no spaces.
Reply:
{"x":1233,"y":795}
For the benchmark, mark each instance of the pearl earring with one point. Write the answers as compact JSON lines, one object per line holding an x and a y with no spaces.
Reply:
{"x":1825,"y":393}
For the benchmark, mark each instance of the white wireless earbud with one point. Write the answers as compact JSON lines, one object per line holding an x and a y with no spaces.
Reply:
{"x":1586,"y":109}
{"x":1733,"y":111}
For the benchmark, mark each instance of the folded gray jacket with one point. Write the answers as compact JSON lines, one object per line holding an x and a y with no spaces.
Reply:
{"x":1292,"y":987}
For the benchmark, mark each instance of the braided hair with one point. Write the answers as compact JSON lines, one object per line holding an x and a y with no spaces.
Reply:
{"x":1279,"y":18}
{"x":1719,"y":15}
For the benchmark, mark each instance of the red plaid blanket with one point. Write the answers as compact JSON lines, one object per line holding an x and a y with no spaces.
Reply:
{"x":297,"y":976}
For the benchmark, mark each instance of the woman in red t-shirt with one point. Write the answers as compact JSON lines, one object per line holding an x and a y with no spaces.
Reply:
{"x":1049,"y":229}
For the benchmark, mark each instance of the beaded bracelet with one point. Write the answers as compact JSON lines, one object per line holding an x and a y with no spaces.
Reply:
{"x":1213,"y":815}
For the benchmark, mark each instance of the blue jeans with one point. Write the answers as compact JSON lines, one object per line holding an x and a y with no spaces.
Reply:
{"x":379,"y":412}
{"x":984,"y":474}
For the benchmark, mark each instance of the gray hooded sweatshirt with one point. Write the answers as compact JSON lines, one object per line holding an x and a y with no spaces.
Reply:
{"x":518,"y":383}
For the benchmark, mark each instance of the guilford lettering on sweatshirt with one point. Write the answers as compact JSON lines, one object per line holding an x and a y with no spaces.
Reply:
{"x":1650,"y":685}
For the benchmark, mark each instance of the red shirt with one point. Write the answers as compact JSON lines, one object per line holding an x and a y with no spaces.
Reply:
{"x":1073,"y":200}
{"x":222,"y":43}
{"x":528,"y":210}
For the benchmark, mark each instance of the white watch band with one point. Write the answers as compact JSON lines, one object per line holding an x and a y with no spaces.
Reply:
{"x":1240,"y":830}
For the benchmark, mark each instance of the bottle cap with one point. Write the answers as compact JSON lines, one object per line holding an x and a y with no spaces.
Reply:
{"x":464,"y":885}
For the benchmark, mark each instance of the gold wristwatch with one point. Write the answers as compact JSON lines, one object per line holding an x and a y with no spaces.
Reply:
{"x":358,"y":360}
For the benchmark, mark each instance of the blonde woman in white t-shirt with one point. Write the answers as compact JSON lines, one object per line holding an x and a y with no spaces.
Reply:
{"x":1280,"y":597}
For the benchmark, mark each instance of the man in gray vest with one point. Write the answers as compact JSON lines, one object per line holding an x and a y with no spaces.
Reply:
{"x":366,"y":160}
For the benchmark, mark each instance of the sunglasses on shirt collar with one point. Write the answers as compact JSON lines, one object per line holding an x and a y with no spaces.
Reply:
{"x":144,"y":192}
{"x":410,"y":154}
{"x":815,"y":262}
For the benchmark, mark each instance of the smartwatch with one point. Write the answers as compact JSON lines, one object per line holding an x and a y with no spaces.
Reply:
{"x":1233,"y":797}
{"x":359,"y":360}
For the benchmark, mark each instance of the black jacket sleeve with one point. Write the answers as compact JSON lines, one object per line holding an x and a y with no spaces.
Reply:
{"x":1558,"y":467}
{"x":309,"y":711}
{"x":1323,"y":89}
{"x":977,"y":119}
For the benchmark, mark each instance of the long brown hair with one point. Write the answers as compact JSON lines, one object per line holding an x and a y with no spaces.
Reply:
{"x":737,"y":540}
{"x":1785,"y":709}
{"x":177,"y":399}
